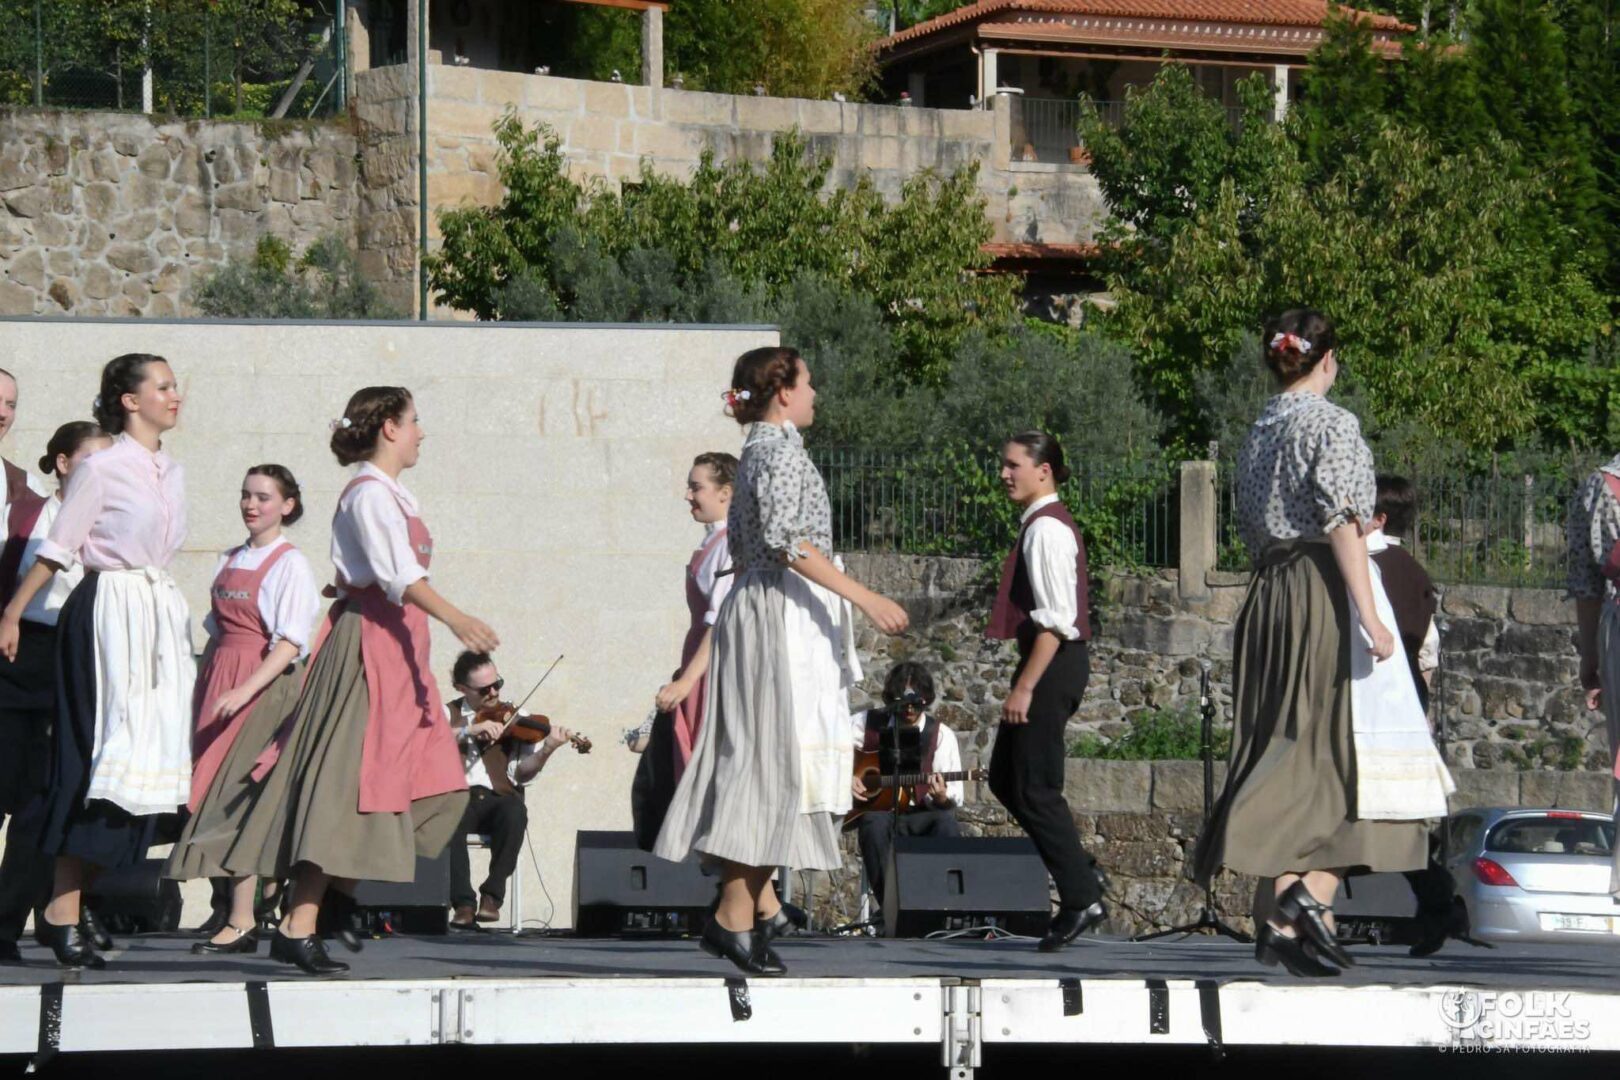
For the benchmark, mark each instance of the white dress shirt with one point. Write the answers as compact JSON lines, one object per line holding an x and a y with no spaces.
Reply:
{"x":1051,"y":558}
{"x":47,"y":603}
{"x":472,"y":754}
{"x":289,"y":602}
{"x":947,"y":754}
{"x":1428,"y":657}
{"x":370,"y":544}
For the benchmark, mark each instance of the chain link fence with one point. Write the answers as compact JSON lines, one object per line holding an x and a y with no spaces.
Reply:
{"x":187,"y":58}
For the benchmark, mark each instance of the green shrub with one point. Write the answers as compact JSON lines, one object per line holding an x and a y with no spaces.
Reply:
{"x":1156,"y":735}
{"x":323,"y":283}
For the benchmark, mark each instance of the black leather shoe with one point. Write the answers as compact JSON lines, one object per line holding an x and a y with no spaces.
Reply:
{"x":94,"y":932}
{"x":214,"y":923}
{"x":9,"y":953}
{"x":265,"y":912}
{"x":741,"y":947}
{"x":307,"y":954}
{"x":69,"y":945}
{"x":1070,"y":923}
{"x":1305,"y":913}
{"x":245,"y":944}
{"x":764,"y":958}
{"x":1299,"y":957}
{"x":1434,"y":929}
{"x":788,"y":918}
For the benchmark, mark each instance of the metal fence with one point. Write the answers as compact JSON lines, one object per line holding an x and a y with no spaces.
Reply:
{"x":187,"y":58}
{"x":1482,"y":530}
{"x":1048,"y":129}
{"x":947,"y":504}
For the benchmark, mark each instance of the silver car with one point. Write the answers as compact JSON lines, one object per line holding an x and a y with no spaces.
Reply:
{"x":1533,"y":875}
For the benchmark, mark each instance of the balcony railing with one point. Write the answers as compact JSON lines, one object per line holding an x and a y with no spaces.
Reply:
{"x":1048,"y":129}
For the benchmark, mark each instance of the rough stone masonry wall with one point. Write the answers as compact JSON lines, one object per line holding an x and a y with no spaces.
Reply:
{"x":123,"y":214}
{"x":609,"y":129}
{"x":1520,"y":733}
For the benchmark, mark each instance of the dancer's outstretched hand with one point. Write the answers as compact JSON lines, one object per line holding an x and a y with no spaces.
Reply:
{"x":888,"y":616}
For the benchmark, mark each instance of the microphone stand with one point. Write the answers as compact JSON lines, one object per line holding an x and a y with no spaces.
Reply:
{"x":1207,"y":919}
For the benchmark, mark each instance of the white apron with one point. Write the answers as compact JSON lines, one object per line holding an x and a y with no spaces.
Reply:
{"x":145,"y":671}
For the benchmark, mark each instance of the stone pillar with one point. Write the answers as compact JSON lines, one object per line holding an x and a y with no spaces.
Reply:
{"x":1200,"y":513}
{"x":359,"y":48}
{"x":652,"y":47}
{"x":987,"y":74}
{"x":1279,"y":80}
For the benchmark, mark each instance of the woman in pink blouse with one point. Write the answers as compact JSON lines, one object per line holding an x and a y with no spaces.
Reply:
{"x":365,"y":775}
{"x":121,"y":752}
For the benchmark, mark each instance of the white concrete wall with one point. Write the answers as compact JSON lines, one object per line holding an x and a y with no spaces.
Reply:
{"x":552,"y":478}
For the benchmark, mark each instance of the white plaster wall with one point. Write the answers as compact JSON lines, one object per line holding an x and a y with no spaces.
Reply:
{"x":551,"y":477}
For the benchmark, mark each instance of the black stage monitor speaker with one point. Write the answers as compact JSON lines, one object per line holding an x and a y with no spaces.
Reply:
{"x":136,"y":899}
{"x":419,"y":906}
{"x":1376,"y":908}
{"x":619,"y":888}
{"x":952,"y":883}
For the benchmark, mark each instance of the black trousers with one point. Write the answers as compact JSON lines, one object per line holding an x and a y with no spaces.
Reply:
{"x":876,"y":833}
{"x":1433,"y":885}
{"x":1026,"y":774}
{"x":503,"y":818}
{"x":25,"y":870}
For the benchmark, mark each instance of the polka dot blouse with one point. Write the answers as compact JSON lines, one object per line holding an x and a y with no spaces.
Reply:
{"x":1592,"y":530}
{"x":780,"y":501}
{"x":1303,"y":472}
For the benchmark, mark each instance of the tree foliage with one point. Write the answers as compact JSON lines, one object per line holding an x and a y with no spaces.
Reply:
{"x":554,"y":247}
{"x":793,"y":48}
{"x":323,"y":283}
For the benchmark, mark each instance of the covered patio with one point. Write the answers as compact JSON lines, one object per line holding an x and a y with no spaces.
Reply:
{"x":1044,"y":54}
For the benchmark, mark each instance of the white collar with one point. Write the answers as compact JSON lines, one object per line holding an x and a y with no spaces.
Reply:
{"x":1039,"y":504}
{"x":1377,"y":541}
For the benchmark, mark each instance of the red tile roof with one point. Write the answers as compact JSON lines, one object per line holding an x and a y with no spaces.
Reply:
{"x":1247,"y":12}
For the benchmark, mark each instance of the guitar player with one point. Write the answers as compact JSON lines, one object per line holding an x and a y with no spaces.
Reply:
{"x":926,"y":746}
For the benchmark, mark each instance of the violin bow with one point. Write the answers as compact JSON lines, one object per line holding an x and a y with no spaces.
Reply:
{"x":516,"y":708}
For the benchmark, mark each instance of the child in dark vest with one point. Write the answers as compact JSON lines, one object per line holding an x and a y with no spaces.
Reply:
{"x":1415,"y":600}
{"x":1043,"y":606}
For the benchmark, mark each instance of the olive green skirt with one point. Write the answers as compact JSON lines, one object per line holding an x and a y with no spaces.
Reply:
{"x":1289,"y":801}
{"x":212,"y":831}
{"x":309,"y":809}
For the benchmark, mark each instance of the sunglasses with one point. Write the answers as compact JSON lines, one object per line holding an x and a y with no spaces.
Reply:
{"x":492,"y":688}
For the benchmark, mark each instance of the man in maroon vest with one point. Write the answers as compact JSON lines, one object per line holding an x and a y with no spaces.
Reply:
{"x":25,"y":873}
{"x":1043,"y":606}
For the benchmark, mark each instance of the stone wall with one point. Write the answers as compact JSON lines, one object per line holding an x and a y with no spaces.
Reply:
{"x":1520,"y":734}
{"x":123,"y":214}
{"x":609,"y":129}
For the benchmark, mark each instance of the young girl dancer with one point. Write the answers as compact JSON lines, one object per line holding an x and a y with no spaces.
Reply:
{"x":768,"y":781}
{"x":264,"y":608}
{"x":121,"y":751}
{"x":366,"y":774}
{"x":28,"y":685}
{"x":708,"y":580}
{"x":1043,"y":605}
{"x":1290,"y":807}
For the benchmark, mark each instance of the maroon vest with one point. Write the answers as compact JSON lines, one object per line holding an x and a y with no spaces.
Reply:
{"x":24,"y":505}
{"x":1016,"y":598}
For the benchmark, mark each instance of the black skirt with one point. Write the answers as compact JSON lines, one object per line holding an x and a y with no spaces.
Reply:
{"x":27,"y":702}
{"x":97,"y":832}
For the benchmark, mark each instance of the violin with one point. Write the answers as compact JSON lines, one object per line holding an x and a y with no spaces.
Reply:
{"x":526,"y":729}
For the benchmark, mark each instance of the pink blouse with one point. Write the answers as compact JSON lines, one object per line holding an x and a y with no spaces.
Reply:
{"x":125,"y":509}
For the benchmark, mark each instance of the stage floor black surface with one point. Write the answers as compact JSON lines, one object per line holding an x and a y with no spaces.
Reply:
{"x":167,"y":959}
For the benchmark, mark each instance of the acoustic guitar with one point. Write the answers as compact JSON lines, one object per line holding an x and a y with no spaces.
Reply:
{"x":886,"y":790}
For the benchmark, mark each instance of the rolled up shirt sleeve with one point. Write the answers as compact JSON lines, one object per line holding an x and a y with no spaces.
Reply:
{"x":82,"y":504}
{"x":290,"y":602}
{"x":1345,"y":484}
{"x":948,"y":759}
{"x":1051,"y":557}
{"x":385,"y":540}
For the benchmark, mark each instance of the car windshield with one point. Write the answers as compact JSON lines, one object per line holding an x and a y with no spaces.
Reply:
{"x":1552,"y":836}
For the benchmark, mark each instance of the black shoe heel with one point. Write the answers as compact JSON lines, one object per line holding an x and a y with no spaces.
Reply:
{"x":93,"y":931}
{"x":246,"y":944}
{"x":1272,"y":948}
{"x":307,"y":954}
{"x":1305,"y":913}
{"x":788,"y":918}
{"x":763,"y":957}
{"x":1070,"y":923}
{"x":69,"y":945}
{"x":741,"y":947}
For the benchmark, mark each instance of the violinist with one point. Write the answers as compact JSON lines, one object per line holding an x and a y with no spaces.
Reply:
{"x":497,"y":769}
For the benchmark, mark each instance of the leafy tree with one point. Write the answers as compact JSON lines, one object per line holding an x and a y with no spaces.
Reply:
{"x":793,"y":48}
{"x":556,"y":244}
{"x":323,"y":283}
{"x":1592,"y":46}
